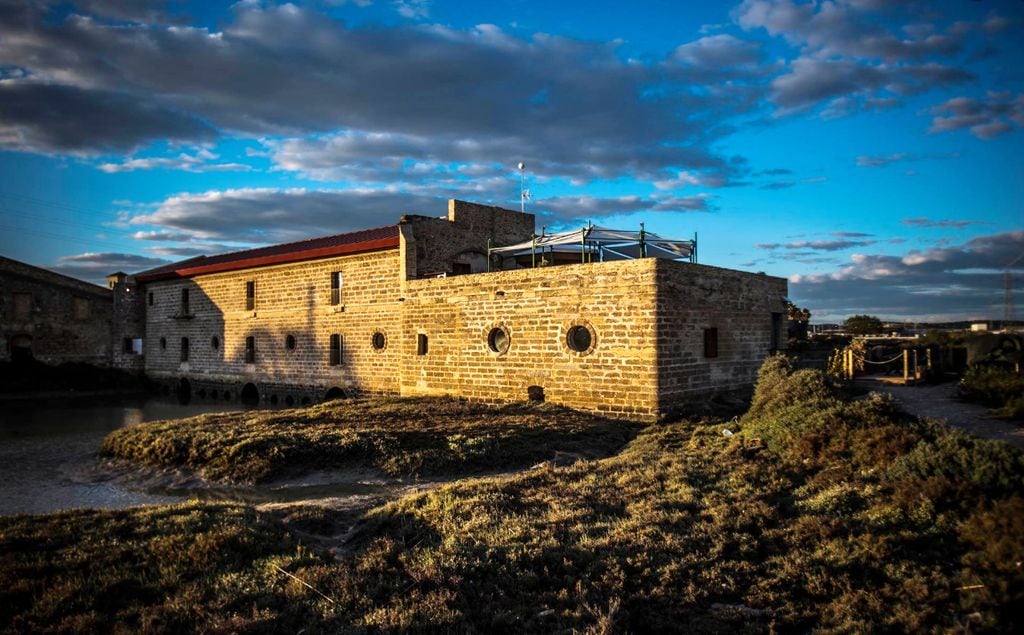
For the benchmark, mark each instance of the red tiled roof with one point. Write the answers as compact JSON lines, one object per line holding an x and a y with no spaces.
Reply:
{"x":327,"y":246}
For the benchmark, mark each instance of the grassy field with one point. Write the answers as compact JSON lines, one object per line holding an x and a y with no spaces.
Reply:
{"x":817,"y":514}
{"x":400,"y":437}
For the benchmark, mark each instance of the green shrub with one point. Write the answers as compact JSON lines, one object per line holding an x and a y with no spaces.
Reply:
{"x":994,"y":386}
{"x":982,"y":467}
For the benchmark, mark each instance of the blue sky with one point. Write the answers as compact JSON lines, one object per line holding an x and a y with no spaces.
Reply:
{"x":868,"y":150}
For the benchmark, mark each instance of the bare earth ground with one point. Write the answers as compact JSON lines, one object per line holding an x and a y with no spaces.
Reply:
{"x":939,"y":401}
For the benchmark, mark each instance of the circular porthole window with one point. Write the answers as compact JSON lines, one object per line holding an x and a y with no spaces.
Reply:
{"x":214,"y":342}
{"x":498,"y":340}
{"x":163,"y":343}
{"x":580,"y":338}
{"x":379,"y":341}
{"x":289,"y":342}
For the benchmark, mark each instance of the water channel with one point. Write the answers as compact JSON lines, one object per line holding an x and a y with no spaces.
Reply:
{"x":49,"y":462}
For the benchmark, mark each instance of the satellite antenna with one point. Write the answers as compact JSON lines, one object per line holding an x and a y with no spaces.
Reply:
{"x":523,"y":192}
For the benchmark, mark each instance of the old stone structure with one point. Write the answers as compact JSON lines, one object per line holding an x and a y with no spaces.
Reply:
{"x":52,"y":318}
{"x":411,"y":309}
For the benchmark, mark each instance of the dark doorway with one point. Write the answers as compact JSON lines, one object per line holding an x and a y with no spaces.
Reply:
{"x":250,"y":395}
{"x":184,"y":391}
{"x":21,"y":349}
{"x":334,"y":393}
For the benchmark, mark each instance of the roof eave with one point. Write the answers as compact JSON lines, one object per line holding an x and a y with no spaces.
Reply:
{"x":379,"y":244}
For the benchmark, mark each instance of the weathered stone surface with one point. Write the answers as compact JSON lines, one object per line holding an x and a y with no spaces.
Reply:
{"x":54,"y":318}
{"x":639,"y":325}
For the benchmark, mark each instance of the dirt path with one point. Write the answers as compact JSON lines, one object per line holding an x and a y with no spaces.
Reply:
{"x":939,"y":401}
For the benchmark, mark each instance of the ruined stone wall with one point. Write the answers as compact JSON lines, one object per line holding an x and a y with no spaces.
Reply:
{"x":462,"y":237}
{"x":739,"y":306}
{"x":53,"y":317}
{"x":537,"y":308}
{"x":290,"y":300}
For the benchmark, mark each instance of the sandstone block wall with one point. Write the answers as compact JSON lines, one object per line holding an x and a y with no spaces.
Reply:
{"x":290,"y":300}
{"x":462,"y":237}
{"x":738,"y":305}
{"x":57,"y":318}
{"x":537,"y":307}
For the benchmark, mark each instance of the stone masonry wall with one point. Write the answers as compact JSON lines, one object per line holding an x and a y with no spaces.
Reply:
{"x":129,"y":324}
{"x":438,"y":242}
{"x":59,"y":319}
{"x":291,"y":299}
{"x":693,"y":298}
{"x":537,"y":307}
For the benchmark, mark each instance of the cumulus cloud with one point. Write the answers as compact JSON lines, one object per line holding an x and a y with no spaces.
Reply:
{"x":920,"y":284}
{"x":271,"y":215}
{"x":95,"y":267}
{"x":201,"y":161}
{"x":569,"y":107}
{"x":986,"y":118}
{"x":568,"y":208}
{"x":843,"y":28}
{"x":43,"y":117}
{"x":849,"y":57}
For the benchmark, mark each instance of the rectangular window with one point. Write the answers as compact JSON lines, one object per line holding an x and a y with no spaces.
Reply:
{"x":776,"y":331}
{"x":336,"y":280}
{"x":80,"y":308}
{"x":22,"y":306}
{"x":184,"y":302}
{"x":250,"y":295}
{"x":127,"y":345}
{"x":137,"y":346}
{"x":461,"y":268}
{"x":711,"y":342}
{"x":250,"y":350}
{"x":150,"y":298}
{"x":184,"y":349}
{"x":337,"y":348}
{"x":421,"y":344}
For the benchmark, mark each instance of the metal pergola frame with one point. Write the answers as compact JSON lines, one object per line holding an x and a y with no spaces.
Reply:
{"x":593,"y":241}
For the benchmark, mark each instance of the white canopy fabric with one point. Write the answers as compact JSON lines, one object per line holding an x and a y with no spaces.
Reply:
{"x":615,"y":244}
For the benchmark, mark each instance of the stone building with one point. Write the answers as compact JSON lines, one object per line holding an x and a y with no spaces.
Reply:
{"x":52,"y":318}
{"x":412,"y":309}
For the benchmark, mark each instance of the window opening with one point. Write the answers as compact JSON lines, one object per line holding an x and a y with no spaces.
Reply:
{"x":579,"y":338}
{"x":289,"y":342}
{"x":711,"y":342}
{"x":80,"y":308}
{"x":150,"y":297}
{"x":336,"y":350}
{"x":184,"y":302}
{"x":163,"y":343}
{"x":214,"y":342}
{"x":250,"y":295}
{"x":421,"y":344}
{"x":379,"y":341}
{"x":336,"y":283}
{"x":184,"y":349}
{"x":22,"y":306}
{"x":250,"y":350}
{"x":498,"y":340}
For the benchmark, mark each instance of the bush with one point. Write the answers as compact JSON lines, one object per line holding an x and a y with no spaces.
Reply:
{"x":994,"y":386}
{"x":983,"y":467}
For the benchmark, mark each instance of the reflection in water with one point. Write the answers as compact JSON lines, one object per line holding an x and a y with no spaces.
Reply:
{"x":48,"y":455}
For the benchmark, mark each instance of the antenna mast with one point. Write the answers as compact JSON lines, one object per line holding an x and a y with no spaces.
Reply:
{"x":523,"y":193}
